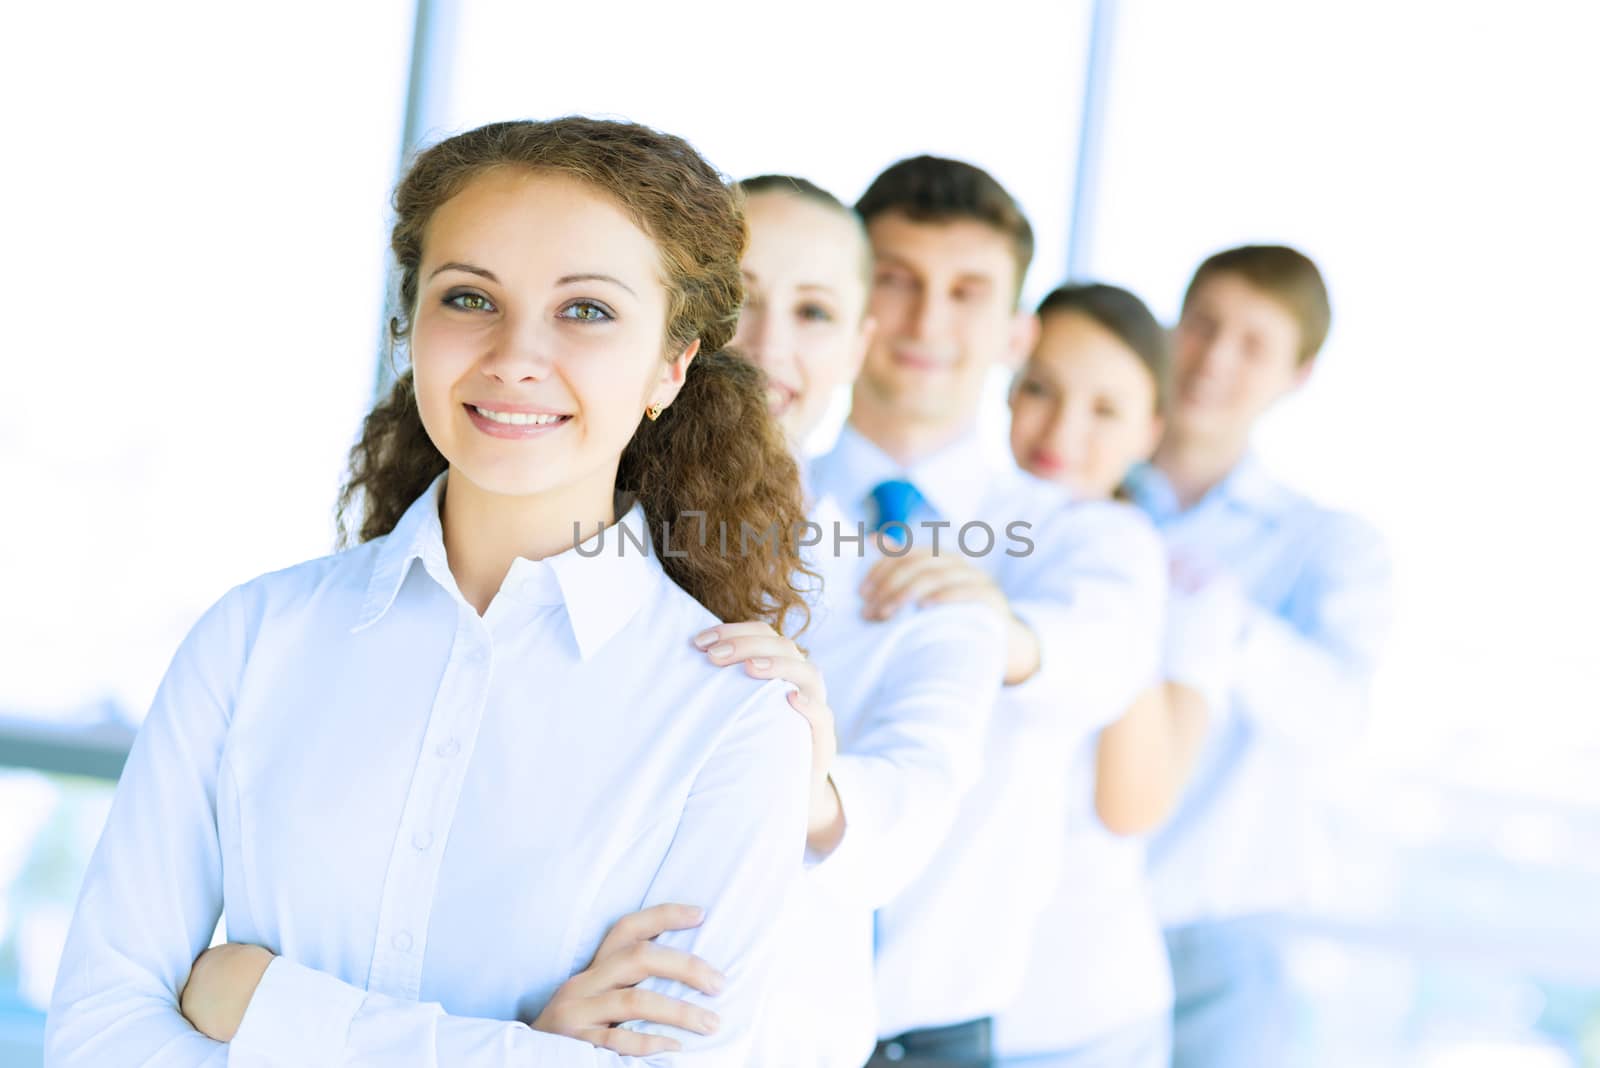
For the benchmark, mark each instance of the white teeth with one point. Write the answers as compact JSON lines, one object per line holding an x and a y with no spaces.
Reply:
{"x":518,"y":418}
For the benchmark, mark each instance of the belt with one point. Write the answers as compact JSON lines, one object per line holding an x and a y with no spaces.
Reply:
{"x":967,"y":1044}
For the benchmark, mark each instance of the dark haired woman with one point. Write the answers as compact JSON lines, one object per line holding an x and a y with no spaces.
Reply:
{"x":423,"y":777}
{"x":1085,"y":409}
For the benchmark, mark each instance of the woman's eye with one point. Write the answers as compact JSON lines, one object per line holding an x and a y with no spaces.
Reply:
{"x":1032,"y":388}
{"x":814,"y":313}
{"x":469,"y":301}
{"x":585,"y":311}
{"x":1106,"y":411}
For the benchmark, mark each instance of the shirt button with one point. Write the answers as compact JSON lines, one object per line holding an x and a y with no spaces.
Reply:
{"x":402,"y":941}
{"x":422,"y":839}
{"x":894,"y":1051}
{"x":448,"y":748}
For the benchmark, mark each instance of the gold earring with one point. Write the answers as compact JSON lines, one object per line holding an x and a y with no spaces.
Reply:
{"x":653,"y":412}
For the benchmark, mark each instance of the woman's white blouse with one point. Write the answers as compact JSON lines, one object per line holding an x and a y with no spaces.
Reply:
{"x":432,"y":816}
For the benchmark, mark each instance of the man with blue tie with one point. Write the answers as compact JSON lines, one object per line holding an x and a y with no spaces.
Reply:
{"x":1079,"y":589}
{"x":1312,"y":592}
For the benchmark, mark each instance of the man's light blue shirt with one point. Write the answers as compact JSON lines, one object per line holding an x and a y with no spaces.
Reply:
{"x":1313,"y":587}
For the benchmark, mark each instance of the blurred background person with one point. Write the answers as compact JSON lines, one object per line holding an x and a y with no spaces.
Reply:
{"x":1311,"y":599}
{"x":910,"y":696}
{"x":1086,"y":407}
{"x":1080,"y":601}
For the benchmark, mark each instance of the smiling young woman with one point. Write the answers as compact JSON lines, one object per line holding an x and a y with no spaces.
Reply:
{"x":710,"y":452}
{"x":424,"y":777}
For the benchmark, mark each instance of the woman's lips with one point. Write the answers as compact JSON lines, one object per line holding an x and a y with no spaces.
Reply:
{"x":779,"y":398}
{"x":1047,"y":462}
{"x":519,"y":430}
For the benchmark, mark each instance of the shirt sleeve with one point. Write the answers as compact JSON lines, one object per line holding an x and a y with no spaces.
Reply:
{"x":1094,"y":595}
{"x":1203,"y":627}
{"x":1304,"y":673}
{"x":917,"y":750}
{"x":737,"y":852}
{"x":152,"y":894}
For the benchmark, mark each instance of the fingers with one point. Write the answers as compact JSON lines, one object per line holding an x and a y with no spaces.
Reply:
{"x":921,"y":587}
{"x":647,"y":923}
{"x":824,"y":744}
{"x":631,"y":1043}
{"x":889,"y":566}
{"x":648,"y":1006}
{"x":645,"y":960}
{"x":817,"y":714}
{"x":802,"y":673}
{"x":911,"y":584}
{"x":769,"y":656}
{"x":755,"y":646}
{"x":723,"y":631}
{"x":960,"y":592}
{"x":881,"y":585}
{"x":819,"y":719}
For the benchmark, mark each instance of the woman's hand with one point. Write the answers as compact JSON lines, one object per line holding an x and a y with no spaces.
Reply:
{"x":767,"y":655}
{"x":591,"y":1004}
{"x":919,"y":577}
{"x":220,"y":986}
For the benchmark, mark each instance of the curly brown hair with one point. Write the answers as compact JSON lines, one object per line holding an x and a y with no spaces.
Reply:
{"x":715,"y":450}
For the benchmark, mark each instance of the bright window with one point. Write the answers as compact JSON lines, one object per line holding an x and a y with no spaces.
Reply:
{"x":192,"y":286}
{"x":831,"y":91}
{"x":1432,"y":159}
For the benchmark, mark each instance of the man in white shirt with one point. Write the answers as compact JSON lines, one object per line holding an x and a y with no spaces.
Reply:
{"x":1312,"y":592}
{"x":1077,"y":588}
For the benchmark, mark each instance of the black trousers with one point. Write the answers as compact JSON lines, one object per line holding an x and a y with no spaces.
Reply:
{"x":965,"y":1045}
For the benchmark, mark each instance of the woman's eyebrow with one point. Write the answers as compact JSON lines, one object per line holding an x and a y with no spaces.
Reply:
{"x":484,"y":272}
{"x":469,"y":268}
{"x":591,"y":277}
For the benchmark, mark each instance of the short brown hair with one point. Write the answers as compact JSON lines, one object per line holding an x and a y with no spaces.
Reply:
{"x":1287,"y":276}
{"x":935,"y":190}
{"x":715,"y":451}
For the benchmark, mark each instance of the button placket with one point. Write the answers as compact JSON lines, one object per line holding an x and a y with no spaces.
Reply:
{"x":413,"y":872}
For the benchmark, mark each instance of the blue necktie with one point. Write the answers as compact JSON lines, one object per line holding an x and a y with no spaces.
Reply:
{"x":896,"y":500}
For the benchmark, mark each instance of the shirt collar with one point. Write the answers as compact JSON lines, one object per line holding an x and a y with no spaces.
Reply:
{"x":417,"y":536}
{"x":952,"y":480}
{"x":604,"y":580}
{"x":1247,"y":486}
{"x":601,"y":581}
